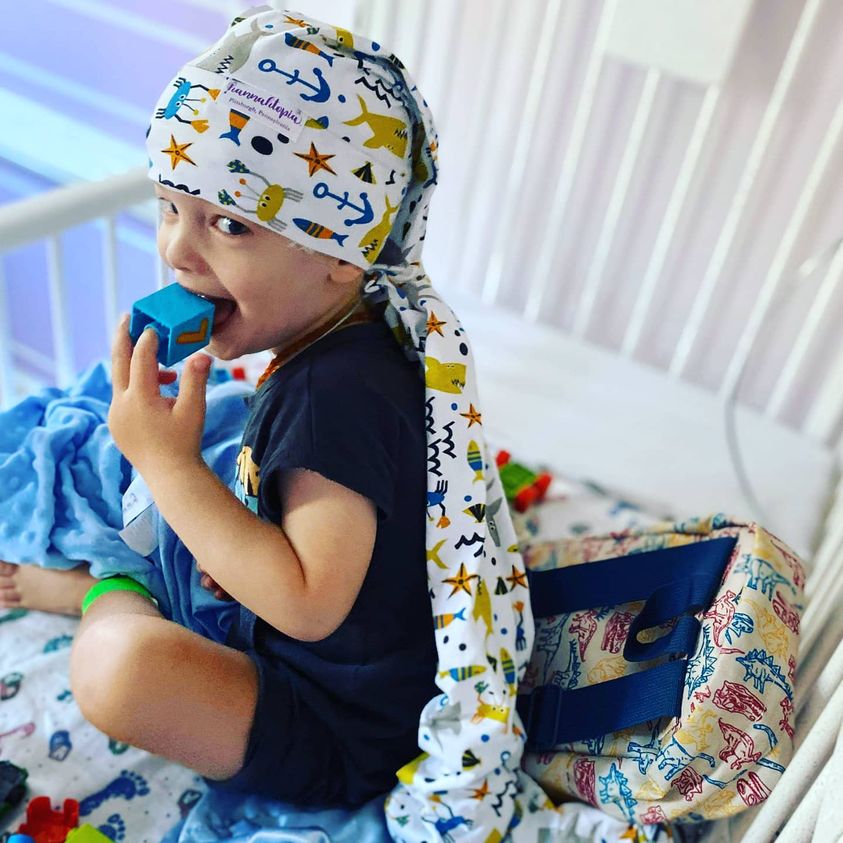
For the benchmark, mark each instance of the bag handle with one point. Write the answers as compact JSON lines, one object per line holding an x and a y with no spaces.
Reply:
{"x":680,"y":599}
{"x":674,"y":581}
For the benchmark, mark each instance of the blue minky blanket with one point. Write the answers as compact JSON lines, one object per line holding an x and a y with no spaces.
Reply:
{"x":62,"y":481}
{"x":238,"y":819}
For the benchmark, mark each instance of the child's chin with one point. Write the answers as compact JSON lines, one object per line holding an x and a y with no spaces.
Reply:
{"x":220,"y":350}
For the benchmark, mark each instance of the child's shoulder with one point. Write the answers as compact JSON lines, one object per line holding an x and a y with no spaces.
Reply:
{"x":359,"y":363}
{"x":356,"y":394}
{"x":363,"y":355}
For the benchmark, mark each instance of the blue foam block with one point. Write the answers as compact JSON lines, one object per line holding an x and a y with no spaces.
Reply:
{"x":182,"y":320}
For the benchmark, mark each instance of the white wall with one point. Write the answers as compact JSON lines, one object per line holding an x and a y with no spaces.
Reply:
{"x":531,"y":162}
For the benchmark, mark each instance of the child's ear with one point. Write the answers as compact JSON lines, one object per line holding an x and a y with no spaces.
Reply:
{"x":343,"y":272}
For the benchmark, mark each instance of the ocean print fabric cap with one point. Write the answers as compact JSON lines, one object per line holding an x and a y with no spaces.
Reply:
{"x":321,"y":135}
{"x":294,"y":125}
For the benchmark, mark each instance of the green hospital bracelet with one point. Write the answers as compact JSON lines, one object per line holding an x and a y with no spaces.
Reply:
{"x":116,"y":583}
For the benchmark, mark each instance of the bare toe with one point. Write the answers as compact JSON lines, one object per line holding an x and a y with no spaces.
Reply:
{"x":45,"y":589}
{"x":9,"y":595}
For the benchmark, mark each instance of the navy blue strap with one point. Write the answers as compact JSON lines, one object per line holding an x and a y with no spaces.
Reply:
{"x":677,"y":583}
{"x":623,"y":579}
{"x":552,"y":715}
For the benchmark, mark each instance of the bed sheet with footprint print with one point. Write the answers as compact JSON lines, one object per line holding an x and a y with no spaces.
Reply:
{"x":127,"y":794}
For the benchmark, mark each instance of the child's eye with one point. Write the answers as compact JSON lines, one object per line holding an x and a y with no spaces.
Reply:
{"x":165,"y":206}
{"x":230,"y":226}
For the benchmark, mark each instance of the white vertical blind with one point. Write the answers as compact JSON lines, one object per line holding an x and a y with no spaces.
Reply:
{"x":734,"y":217}
{"x":664,"y":238}
{"x":544,"y":275}
{"x":597,"y":269}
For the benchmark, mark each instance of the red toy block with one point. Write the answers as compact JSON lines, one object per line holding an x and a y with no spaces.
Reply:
{"x":46,"y":825}
{"x":525,"y":499}
{"x":543,"y":481}
{"x":502,"y":458}
{"x":522,"y":487}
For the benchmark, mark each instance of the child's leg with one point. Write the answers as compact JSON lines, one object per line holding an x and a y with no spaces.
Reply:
{"x":153,"y":684}
{"x":45,"y":589}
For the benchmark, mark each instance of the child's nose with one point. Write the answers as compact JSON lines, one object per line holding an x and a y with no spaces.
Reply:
{"x":182,"y":250}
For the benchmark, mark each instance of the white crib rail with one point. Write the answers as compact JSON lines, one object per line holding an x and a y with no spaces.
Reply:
{"x":49,"y":215}
{"x":45,"y":218}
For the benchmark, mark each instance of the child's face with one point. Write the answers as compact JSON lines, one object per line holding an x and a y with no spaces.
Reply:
{"x":267,"y":292}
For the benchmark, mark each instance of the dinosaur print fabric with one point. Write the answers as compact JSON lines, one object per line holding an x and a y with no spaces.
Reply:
{"x":734,"y":735}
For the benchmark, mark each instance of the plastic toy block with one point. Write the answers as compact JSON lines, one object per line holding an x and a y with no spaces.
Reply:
{"x":12,"y":786}
{"x":46,"y":825}
{"x":87,"y":834}
{"x":182,"y":320}
{"x":521,"y":486}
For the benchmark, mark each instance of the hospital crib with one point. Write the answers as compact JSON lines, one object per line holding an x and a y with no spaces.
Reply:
{"x":651,"y":283}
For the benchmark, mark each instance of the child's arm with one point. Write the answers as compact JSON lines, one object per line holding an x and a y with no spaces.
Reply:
{"x":302,"y":579}
{"x":288,"y":577}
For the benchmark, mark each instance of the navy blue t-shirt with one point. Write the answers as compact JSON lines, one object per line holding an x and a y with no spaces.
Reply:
{"x":351,"y":407}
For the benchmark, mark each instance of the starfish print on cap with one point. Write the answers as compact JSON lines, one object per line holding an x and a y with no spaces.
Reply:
{"x":517,"y":577}
{"x":316,"y":161}
{"x":462,"y":580}
{"x":177,"y":153}
{"x":481,"y":792}
{"x":434,"y":324}
{"x":472,"y":415}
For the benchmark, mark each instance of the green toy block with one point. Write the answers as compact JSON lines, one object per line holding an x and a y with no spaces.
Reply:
{"x":86,"y":834}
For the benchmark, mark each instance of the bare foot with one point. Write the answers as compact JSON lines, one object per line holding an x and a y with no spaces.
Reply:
{"x":45,"y":589}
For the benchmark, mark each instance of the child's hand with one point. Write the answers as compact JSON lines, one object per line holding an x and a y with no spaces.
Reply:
{"x":155,"y":433}
{"x":210,"y":584}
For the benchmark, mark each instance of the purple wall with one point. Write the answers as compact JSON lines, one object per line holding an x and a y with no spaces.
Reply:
{"x":100,"y":64}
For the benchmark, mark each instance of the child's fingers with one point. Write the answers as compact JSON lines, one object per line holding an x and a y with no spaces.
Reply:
{"x":121,"y":354}
{"x":194,"y":378}
{"x":143,"y":367}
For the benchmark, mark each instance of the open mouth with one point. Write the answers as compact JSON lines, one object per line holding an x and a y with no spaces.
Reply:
{"x":223,"y":309}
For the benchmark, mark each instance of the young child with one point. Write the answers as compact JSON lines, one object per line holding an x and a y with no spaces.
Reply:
{"x":318,"y":695}
{"x":294,"y":164}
